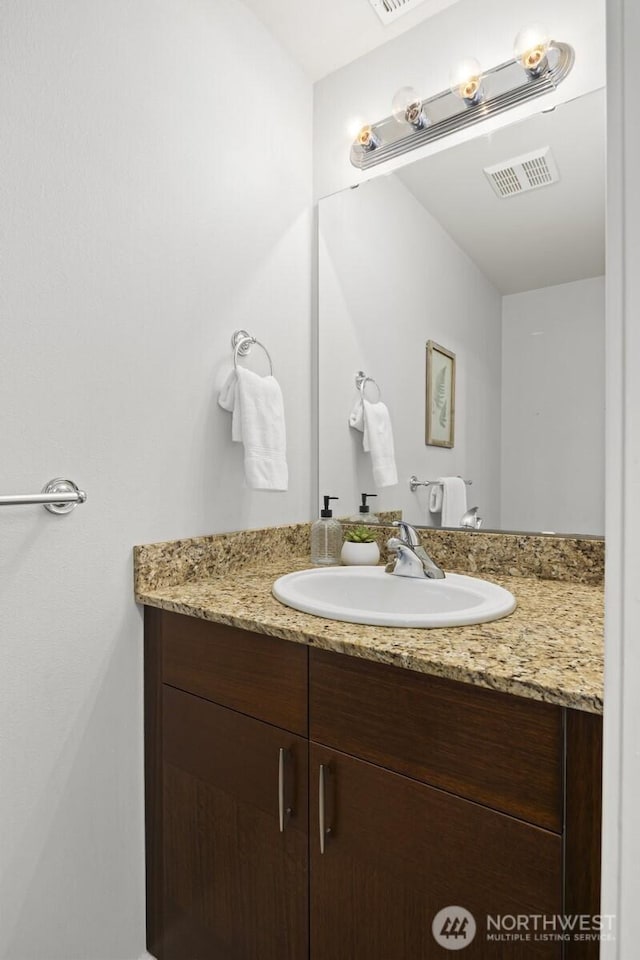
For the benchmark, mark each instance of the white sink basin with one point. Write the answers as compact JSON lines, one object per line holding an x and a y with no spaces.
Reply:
{"x":369,"y":595}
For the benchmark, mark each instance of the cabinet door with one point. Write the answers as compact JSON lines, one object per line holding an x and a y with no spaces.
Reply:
{"x":396,"y":852}
{"x":235,"y":839}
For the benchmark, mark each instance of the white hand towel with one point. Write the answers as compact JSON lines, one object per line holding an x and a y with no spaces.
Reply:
{"x":435,"y":498}
{"x":227,"y":400}
{"x":257,"y":410}
{"x":375,"y":423}
{"x":454,"y":500}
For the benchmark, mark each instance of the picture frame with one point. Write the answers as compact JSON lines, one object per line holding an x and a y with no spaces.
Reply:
{"x":440,"y":396}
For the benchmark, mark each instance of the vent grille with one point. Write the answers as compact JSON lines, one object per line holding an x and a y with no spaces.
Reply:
{"x":389,"y":10}
{"x":528,"y":172}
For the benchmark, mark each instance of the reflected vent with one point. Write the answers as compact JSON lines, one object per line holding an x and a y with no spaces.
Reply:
{"x":528,"y":172}
{"x":388,"y":10}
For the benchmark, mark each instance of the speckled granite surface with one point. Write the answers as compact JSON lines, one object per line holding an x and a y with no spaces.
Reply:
{"x":570,"y":559}
{"x":550,"y":648}
{"x":488,"y":554}
{"x":199,"y":558}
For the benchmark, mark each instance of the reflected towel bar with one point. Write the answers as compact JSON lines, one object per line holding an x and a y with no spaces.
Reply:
{"x":414,"y":483}
{"x":58,"y":496}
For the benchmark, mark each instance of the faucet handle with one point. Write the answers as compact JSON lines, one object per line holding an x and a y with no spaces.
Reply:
{"x":408,"y":533}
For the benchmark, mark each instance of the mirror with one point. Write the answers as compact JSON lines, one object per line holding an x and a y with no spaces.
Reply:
{"x":457,"y":250}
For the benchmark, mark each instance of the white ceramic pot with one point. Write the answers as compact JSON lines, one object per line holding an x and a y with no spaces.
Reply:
{"x":360,"y":554}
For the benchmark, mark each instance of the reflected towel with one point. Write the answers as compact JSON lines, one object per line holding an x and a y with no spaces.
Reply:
{"x":373,"y":420}
{"x":435,"y":498}
{"x":257,"y":410}
{"x":454,"y":501}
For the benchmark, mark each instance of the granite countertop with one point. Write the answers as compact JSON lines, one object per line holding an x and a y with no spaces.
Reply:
{"x":550,"y":648}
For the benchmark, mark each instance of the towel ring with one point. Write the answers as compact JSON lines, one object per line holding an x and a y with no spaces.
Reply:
{"x":242,"y":342}
{"x":361,"y":382}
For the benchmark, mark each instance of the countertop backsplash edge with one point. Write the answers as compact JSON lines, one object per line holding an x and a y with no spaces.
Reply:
{"x":544,"y":557}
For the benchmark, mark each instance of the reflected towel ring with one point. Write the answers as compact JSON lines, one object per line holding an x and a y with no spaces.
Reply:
{"x":361,"y":382}
{"x":242,"y":342}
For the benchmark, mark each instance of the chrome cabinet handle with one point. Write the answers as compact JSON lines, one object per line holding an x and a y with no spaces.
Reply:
{"x":284,"y":811}
{"x":281,"y":788}
{"x":324,"y":830}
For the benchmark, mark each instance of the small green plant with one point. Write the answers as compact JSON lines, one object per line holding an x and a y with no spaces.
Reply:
{"x":360,"y":534}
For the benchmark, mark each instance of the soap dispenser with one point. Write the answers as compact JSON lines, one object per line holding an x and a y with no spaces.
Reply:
{"x":364,"y":514}
{"x":326,"y":537}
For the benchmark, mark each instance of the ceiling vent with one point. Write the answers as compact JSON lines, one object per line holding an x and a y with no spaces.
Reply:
{"x":389,"y":10}
{"x":528,"y":172}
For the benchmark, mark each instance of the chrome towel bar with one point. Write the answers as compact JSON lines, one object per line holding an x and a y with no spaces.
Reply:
{"x":58,"y":496}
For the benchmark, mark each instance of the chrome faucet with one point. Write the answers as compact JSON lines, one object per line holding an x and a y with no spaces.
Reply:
{"x":411,"y":559}
{"x":471,"y":519}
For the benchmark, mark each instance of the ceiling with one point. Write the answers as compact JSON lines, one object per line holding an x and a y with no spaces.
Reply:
{"x":547,"y":236}
{"x":324,"y":35}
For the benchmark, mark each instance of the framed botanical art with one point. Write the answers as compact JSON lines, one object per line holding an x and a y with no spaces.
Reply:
{"x":441,"y":396}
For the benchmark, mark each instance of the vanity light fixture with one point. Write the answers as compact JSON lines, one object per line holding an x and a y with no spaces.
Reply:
{"x":539,"y":66}
{"x":407,"y":107}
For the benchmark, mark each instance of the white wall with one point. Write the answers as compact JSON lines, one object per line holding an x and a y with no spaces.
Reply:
{"x":621,"y":776}
{"x":390,"y":279}
{"x":362,"y":91}
{"x":143,"y":218}
{"x":553,"y":349}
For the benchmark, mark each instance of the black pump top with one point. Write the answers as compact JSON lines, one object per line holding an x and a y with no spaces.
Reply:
{"x":326,"y":512}
{"x":365,"y":506}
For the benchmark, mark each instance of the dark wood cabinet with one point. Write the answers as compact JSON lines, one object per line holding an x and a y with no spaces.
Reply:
{"x":227,"y":806}
{"x":304,"y":805}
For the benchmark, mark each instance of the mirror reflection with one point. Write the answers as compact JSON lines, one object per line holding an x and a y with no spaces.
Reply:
{"x":493,"y":252}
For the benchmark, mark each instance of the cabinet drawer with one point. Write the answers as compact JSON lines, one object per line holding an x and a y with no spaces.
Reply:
{"x":264,"y":677}
{"x":502,"y":751}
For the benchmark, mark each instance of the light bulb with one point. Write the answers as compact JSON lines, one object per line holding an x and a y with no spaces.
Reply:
{"x":407,"y":108}
{"x":466,"y":81}
{"x":367,"y":139}
{"x":354,"y":126}
{"x":530,"y":49}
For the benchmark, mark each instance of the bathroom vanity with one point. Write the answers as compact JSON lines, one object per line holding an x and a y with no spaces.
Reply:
{"x":316,"y":789}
